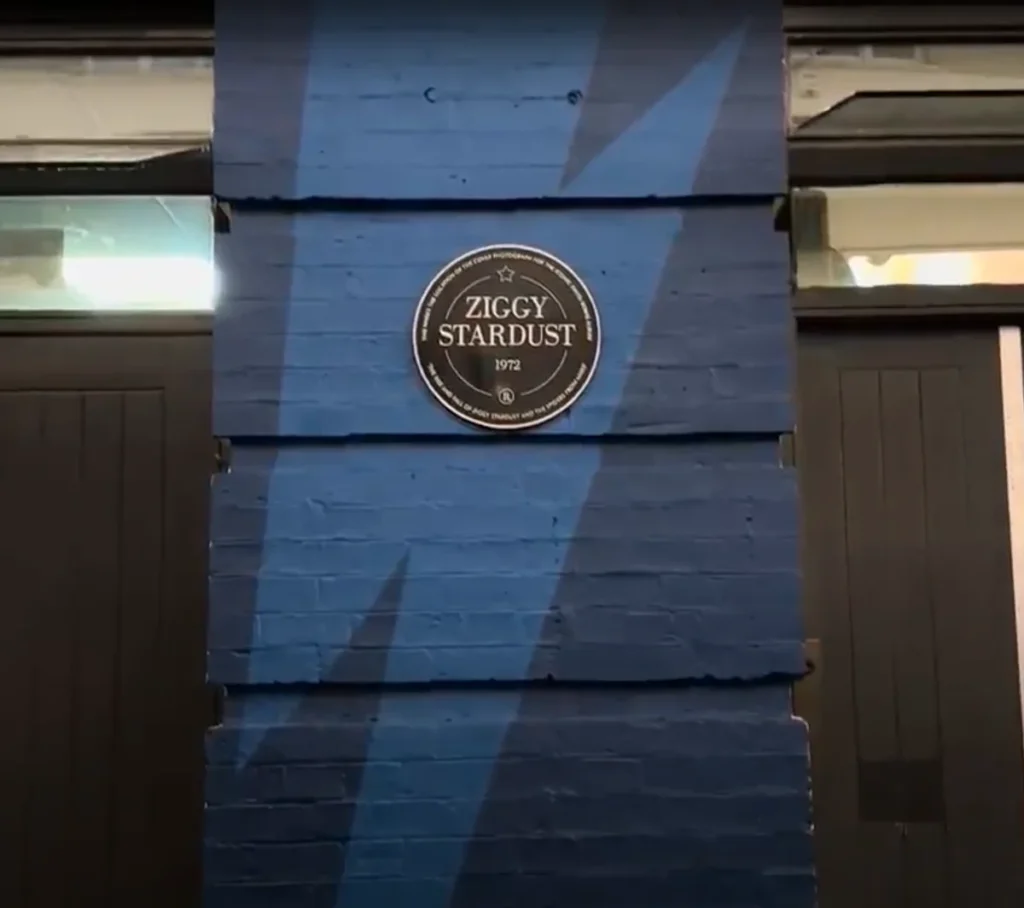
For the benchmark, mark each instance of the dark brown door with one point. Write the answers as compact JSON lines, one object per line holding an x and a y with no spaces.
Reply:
{"x":104,"y":479}
{"x":914,"y":702}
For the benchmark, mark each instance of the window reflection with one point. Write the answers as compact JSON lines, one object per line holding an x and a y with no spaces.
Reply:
{"x":106,"y":254}
{"x":928,"y":235}
{"x":951,"y":269}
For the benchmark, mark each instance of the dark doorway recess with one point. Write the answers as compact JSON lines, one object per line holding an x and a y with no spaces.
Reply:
{"x":105,"y":462}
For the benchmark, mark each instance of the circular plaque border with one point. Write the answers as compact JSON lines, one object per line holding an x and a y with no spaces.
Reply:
{"x":506,"y":427}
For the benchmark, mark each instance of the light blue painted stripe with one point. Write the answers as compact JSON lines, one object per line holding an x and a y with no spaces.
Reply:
{"x":266,"y":713}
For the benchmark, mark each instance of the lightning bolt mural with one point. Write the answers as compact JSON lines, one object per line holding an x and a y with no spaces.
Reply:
{"x":704,"y":83}
{"x":697,"y":246}
{"x":357,"y":579}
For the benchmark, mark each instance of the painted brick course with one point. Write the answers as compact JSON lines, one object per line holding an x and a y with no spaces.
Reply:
{"x":681,"y":564}
{"x":602,"y":797}
{"x":693,"y":303}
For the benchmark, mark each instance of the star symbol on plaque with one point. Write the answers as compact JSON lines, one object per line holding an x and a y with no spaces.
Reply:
{"x":505,"y":275}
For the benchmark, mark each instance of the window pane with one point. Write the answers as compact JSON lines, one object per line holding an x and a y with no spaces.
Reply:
{"x":48,"y":102}
{"x":822,"y":77}
{"x":931,"y":235}
{"x":106,"y":254}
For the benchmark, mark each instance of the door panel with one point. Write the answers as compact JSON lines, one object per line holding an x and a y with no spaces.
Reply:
{"x":915,"y":726}
{"x":104,"y":564}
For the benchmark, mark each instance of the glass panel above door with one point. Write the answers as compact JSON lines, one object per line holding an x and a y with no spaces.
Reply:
{"x":81,"y":254}
{"x":937,"y":235}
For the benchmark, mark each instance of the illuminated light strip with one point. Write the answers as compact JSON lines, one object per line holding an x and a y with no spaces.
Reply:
{"x":157,"y":282}
{"x":927,"y":268}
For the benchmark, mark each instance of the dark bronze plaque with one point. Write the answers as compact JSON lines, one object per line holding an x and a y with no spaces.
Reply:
{"x":506,"y":337}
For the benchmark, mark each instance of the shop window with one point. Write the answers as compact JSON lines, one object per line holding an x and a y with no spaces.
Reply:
{"x":106,"y":183}
{"x":932,"y":235}
{"x":106,"y":254}
{"x":99,"y":125}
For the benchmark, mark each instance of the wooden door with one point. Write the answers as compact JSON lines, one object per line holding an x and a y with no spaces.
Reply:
{"x":104,"y":476}
{"x":914,"y":702}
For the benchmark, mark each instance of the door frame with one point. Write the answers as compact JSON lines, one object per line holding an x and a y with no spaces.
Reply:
{"x":970,"y":306}
{"x":989,"y":308}
{"x":839,"y":22}
{"x":140,"y":324}
{"x":105,"y":35}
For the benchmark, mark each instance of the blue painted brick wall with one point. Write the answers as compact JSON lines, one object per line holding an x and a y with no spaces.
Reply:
{"x":640,"y":562}
{"x":549,"y":670}
{"x":672,"y":797}
{"x":462,"y":99}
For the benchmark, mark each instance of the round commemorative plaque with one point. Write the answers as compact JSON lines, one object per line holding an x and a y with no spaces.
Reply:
{"x":506,"y":337}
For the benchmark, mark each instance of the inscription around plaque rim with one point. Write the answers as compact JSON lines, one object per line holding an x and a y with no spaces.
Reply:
{"x":506,"y":337}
